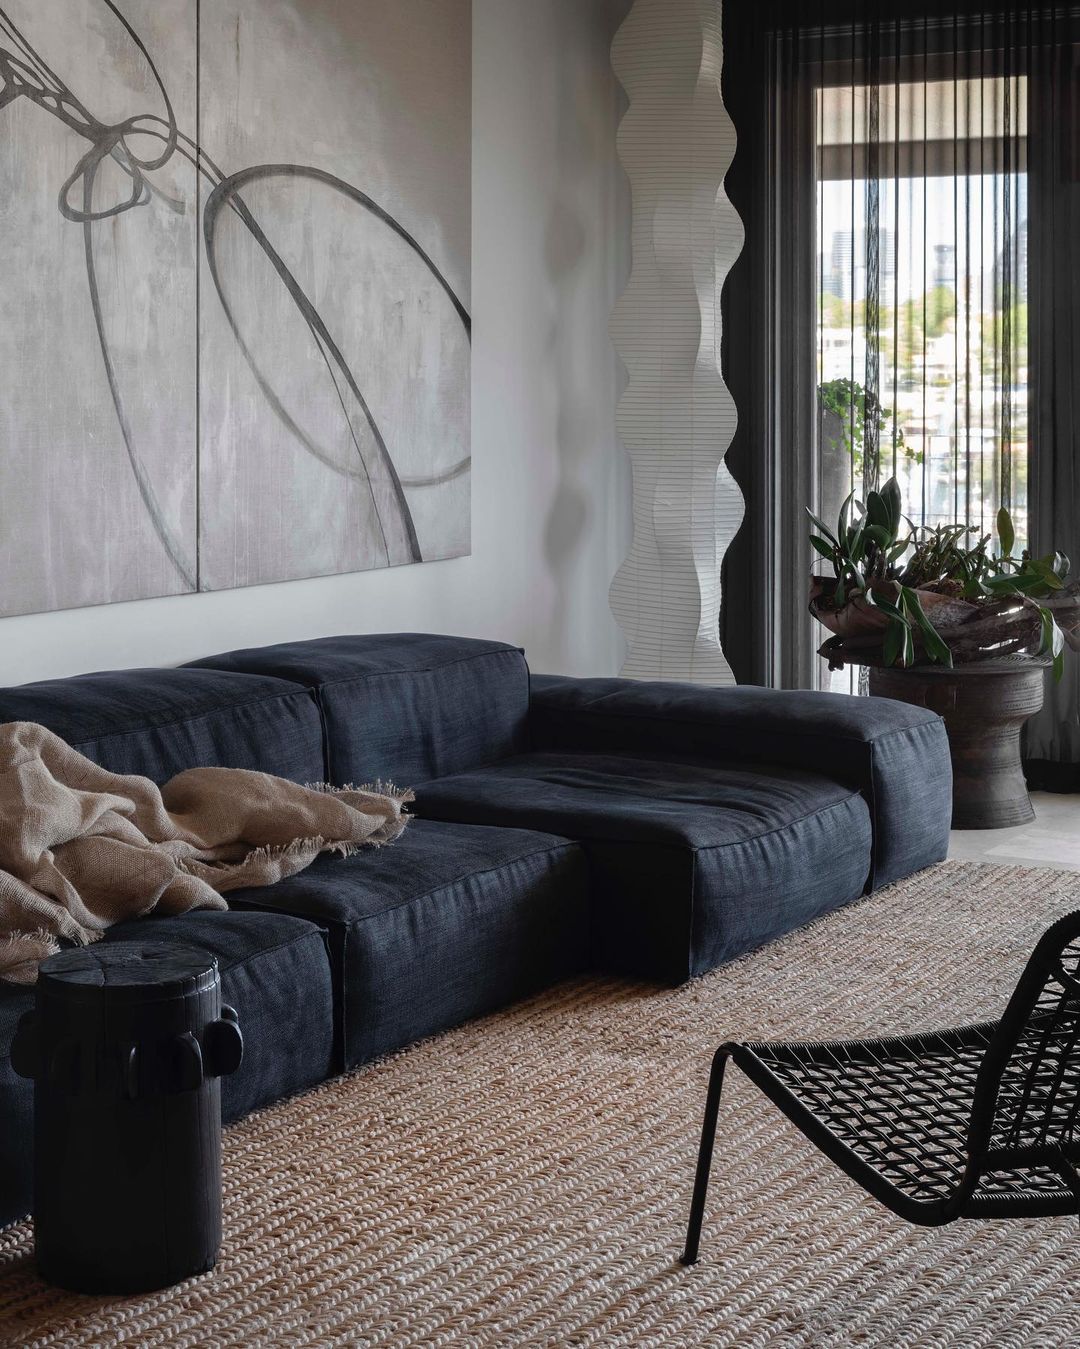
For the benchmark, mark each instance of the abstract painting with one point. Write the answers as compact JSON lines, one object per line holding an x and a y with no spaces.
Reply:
{"x":234,"y":325}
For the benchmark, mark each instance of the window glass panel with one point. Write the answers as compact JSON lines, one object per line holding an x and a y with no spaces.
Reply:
{"x":922,"y":295}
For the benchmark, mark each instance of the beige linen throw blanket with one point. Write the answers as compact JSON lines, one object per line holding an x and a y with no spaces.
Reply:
{"x":82,"y":848}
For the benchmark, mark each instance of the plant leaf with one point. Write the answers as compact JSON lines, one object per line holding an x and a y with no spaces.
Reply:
{"x":1053,"y":641}
{"x":1046,"y":568}
{"x":1002,"y":585}
{"x":890,"y":496}
{"x":877,"y":512}
{"x":825,"y":549}
{"x":1005,"y":531}
{"x":936,"y":647}
{"x":894,"y":641}
{"x":822,"y":526}
{"x":886,"y":607}
{"x":844,"y":516}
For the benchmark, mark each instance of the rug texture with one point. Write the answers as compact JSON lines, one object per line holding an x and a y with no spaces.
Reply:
{"x":524,"y":1180}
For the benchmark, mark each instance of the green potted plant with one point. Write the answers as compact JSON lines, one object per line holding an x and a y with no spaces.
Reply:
{"x":900,"y":595}
{"x":854,"y":427}
{"x":946,"y":619}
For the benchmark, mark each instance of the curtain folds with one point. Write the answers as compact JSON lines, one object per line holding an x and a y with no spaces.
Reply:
{"x":1052,"y":751}
{"x":907,"y":303}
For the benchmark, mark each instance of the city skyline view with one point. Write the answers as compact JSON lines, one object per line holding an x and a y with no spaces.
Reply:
{"x":964,"y":217}
{"x":951,"y":372}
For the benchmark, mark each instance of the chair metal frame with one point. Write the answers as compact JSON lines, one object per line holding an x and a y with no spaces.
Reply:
{"x":992,"y":1126}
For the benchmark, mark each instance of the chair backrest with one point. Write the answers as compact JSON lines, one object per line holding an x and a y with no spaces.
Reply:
{"x":1028,"y":1092}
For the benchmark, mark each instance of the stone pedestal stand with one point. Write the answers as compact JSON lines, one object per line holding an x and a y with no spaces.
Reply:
{"x":984,"y":705}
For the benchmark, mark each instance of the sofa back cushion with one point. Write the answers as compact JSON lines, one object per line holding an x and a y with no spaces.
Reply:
{"x":403,"y":707}
{"x":159,"y":722}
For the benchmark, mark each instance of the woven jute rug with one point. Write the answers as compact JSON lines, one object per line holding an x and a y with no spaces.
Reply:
{"x":524,"y":1180}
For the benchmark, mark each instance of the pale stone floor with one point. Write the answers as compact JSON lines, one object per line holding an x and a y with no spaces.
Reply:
{"x":1052,"y":839}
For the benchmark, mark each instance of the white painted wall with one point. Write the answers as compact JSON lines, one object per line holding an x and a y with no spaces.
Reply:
{"x":550,"y":484}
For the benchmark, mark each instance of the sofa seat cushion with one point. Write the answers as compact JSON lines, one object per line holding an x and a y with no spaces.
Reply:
{"x":896,"y":754}
{"x":274,"y":970}
{"x":159,"y":722}
{"x":447,"y":923}
{"x":403,"y":706}
{"x":691,"y":863}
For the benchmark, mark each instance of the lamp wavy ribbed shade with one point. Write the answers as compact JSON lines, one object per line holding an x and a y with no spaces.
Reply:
{"x":676,"y":417}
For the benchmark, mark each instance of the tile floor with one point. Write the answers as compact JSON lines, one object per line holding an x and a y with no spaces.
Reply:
{"x":1051,"y":840}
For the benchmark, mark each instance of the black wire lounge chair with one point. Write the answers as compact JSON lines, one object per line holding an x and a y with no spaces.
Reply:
{"x":980,"y":1122}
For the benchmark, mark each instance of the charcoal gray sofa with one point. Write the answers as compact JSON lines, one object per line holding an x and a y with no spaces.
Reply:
{"x":655,"y":830}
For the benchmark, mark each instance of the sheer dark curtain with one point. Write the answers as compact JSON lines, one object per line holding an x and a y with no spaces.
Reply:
{"x":1053,"y":737}
{"x":907,"y":301}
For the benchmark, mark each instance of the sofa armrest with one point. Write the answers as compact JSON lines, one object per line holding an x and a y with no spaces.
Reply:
{"x":896,"y":754}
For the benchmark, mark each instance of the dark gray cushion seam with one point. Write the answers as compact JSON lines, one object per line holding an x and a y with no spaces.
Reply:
{"x":324,"y":732}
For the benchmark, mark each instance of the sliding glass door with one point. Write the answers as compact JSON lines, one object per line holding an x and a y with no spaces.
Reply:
{"x":919,"y":324}
{"x":908,"y":297}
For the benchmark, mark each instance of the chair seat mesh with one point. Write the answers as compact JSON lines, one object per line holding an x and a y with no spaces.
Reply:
{"x":919,"y":1120}
{"x":902,"y":1106}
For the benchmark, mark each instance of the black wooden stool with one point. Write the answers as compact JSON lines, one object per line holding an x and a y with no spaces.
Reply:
{"x":126,"y":1044}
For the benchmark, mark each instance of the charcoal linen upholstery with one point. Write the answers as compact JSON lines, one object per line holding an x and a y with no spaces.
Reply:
{"x":895,"y":754}
{"x":275,"y":970}
{"x":659,"y":829}
{"x":159,"y":722}
{"x":16,"y":1111}
{"x":447,"y":923}
{"x":691,"y":863}
{"x":403,"y":707}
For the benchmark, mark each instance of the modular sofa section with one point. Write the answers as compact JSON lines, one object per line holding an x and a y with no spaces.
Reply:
{"x":403,"y":707}
{"x":445,"y":924}
{"x":157,"y":723}
{"x":897,"y":755}
{"x":690,"y":863}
